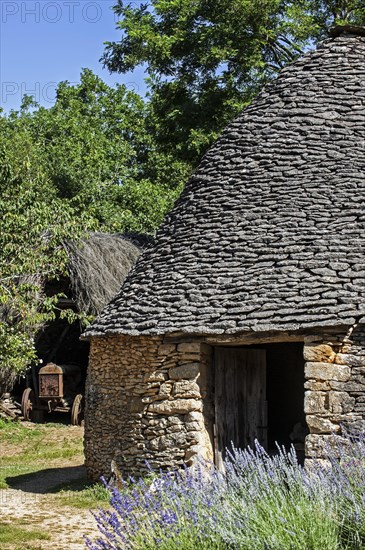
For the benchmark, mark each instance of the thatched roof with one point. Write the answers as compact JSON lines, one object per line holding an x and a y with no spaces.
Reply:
{"x":98,"y":266}
{"x":269,"y":232}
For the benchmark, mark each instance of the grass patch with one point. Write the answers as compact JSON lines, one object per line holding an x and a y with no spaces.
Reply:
{"x":17,"y":432}
{"x":10,"y":533}
{"x":83,"y":495}
{"x":30,"y":448}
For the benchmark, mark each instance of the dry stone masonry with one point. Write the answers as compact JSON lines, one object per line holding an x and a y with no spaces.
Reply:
{"x":153,"y":403}
{"x":268,"y":238}
{"x":145,"y":403}
{"x":335,"y":386}
{"x":268,"y":234}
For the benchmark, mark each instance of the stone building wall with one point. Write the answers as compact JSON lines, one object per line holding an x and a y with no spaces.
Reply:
{"x":144,"y":402}
{"x":148,"y":400}
{"x":335,"y":386}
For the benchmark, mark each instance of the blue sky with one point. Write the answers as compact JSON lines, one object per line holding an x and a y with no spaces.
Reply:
{"x":45,"y":41}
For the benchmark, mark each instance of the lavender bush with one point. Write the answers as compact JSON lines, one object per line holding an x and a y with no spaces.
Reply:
{"x":347,"y":479}
{"x":261,"y":502}
{"x":273,"y":503}
{"x":175,"y":510}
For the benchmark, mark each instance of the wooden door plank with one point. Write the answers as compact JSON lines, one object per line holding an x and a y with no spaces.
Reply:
{"x":240,"y":398}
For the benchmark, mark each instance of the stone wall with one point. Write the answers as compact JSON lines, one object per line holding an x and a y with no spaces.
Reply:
{"x":148,"y":400}
{"x":144,"y":402}
{"x":335,"y":386}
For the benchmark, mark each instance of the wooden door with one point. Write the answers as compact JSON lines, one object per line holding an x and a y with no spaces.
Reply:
{"x":240,"y":399}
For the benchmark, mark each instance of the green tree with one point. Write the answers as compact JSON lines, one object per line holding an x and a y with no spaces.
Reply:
{"x":316,"y":17}
{"x":35,"y":223}
{"x":98,"y":153}
{"x":206,"y":59}
{"x":87,"y":163}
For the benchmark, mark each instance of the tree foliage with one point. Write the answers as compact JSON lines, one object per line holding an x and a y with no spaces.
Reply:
{"x":104,"y":159}
{"x":88,"y":163}
{"x":97,"y":152}
{"x":317,"y":16}
{"x":35,"y":224}
{"x":205,"y":60}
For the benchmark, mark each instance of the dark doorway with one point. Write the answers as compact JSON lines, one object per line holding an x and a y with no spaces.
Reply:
{"x":259,"y":394}
{"x":285,"y":395}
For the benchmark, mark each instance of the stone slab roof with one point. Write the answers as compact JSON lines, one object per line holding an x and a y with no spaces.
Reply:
{"x":269,"y":232}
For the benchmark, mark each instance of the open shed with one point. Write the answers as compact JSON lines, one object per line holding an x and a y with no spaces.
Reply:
{"x":245,"y":320}
{"x":98,"y":265}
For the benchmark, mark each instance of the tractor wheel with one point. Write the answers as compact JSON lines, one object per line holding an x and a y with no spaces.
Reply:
{"x":28,"y":404}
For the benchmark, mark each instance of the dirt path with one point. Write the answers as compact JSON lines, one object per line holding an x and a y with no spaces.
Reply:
{"x":32,"y":503}
{"x":65,"y":525}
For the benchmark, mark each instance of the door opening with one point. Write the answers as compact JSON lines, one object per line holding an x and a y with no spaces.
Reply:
{"x":285,"y":396}
{"x":259,"y":394}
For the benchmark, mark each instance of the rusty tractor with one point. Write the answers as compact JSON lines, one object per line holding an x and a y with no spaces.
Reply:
{"x":57,"y":389}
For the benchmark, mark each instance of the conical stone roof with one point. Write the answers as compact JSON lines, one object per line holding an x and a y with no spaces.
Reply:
{"x":269,"y":232}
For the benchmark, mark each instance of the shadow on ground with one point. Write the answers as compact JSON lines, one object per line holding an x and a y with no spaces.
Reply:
{"x":50,"y":480}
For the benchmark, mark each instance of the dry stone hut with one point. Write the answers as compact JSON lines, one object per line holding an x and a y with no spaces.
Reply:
{"x":246,"y":319}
